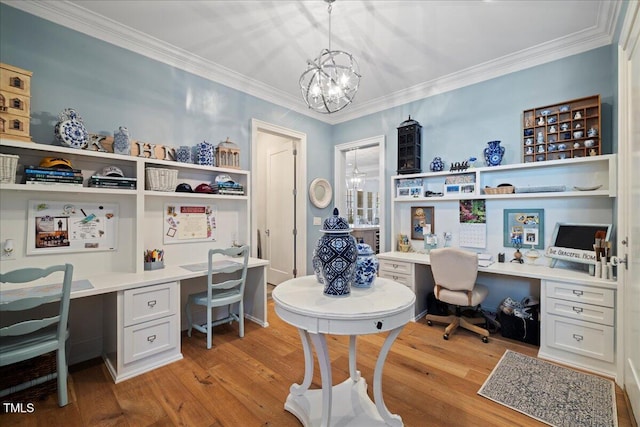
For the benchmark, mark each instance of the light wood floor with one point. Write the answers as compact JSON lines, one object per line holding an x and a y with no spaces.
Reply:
{"x":244,"y":382}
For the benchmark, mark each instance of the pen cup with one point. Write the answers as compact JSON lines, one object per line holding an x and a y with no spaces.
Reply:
{"x":154,"y":265}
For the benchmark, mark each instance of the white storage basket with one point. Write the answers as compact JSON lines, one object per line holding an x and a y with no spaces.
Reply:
{"x":161,"y":179}
{"x":8,"y":167}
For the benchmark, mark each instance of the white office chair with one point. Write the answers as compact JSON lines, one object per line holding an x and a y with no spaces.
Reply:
{"x":455,"y":271}
{"x":220,"y":294}
{"x":26,"y":339}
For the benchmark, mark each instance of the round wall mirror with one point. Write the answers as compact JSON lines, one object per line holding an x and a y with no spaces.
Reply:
{"x":320,"y":193}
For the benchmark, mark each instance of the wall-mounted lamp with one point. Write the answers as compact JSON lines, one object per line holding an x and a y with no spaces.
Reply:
{"x":7,"y":248}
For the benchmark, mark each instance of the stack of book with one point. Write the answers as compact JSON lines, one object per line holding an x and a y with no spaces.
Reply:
{"x":118,"y":182}
{"x":58,"y":176}
{"x":228,"y":188}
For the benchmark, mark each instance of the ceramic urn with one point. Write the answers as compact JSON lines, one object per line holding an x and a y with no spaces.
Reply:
{"x":336,"y":254}
{"x":366,"y":266}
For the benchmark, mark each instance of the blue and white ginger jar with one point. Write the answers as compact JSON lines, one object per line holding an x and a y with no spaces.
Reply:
{"x":337,"y":253}
{"x":366,"y":266}
{"x":436,"y":165}
{"x":204,"y":154}
{"x":493,"y":153}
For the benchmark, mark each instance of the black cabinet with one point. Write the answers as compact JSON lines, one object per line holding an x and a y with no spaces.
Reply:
{"x":409,"y":147}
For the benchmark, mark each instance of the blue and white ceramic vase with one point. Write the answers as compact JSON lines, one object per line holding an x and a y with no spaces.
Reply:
{"x":366,"y":266}
{"x":337,"y":252}
{"x":122,"y":141}
{"x":204,"y":154}
{"x":436,"y":165}
{"x":493,"y":153}
{"x":184,"y":154}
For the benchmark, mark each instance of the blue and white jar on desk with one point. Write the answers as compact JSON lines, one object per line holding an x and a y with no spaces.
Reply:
{"x":337,"y":253}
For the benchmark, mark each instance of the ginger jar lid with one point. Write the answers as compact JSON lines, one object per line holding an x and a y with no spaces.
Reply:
{"x":364,"y":249}
{"x":335,"y":224}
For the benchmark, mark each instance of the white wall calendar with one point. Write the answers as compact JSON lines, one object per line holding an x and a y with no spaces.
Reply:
{"x":473,"y":223}
{"x":71,"y":227}
{"x":189,"y":222}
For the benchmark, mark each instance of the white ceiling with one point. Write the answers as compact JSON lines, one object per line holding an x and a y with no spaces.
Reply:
{"x":406,"y":50}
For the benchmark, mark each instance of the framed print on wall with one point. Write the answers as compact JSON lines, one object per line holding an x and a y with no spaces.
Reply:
{"x":523,"y":228}
{"x":421,"y":215}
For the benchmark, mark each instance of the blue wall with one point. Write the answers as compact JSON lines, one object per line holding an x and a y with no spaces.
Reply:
{"x":457,"y":125}
{"x":111,"y":87}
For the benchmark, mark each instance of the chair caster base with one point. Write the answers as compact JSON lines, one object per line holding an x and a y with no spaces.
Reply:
{"x":485,"y":339}
{"x":446,"y":337}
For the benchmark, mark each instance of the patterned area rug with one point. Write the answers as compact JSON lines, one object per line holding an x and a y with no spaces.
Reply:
{"x":550,"y":393}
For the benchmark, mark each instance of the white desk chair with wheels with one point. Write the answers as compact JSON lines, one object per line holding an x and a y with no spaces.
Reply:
{"x":455,"y":272}
{"x":27,"y":339}
{"x":221,"y":294}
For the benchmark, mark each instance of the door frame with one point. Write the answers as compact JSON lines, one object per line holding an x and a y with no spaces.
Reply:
{"x":258,"y":127}
{"x":339,"y":170}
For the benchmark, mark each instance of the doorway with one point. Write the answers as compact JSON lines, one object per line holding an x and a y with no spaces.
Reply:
{"x":369,"y":157}
{"x":278,"y":200}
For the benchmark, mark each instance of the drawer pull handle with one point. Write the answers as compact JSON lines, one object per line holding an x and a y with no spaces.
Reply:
{"x":578,"y":337}
{"x":395,"y":277}
{"x":151,"y":338}
{"x":151,"y":303}
{"x":379,"y":324}
{"x":578,"y":293}
{"x":577,"y":309}
{"x":395,"y":266}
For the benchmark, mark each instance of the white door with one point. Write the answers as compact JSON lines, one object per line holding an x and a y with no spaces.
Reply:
{"x":629,"y":201}
{"x":279,"y":232}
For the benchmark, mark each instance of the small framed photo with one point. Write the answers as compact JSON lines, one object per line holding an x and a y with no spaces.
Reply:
{"x":421,"y":216}
{"x":460,"y":188}
{"x":410,"y":188}
{"x":524,"y":228}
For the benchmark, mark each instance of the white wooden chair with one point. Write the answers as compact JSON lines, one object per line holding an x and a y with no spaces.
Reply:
{"x":26,"y":339}
{"x":225,"y":293}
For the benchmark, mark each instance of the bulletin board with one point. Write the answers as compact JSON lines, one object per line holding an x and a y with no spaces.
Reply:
{"x":55,"y":227}
{"x":190,"y":222}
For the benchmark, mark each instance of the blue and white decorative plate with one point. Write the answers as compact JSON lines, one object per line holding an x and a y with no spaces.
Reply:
{"x":70,"y":130}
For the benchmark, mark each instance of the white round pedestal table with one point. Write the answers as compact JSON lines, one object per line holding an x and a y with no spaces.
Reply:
{"x":386,"y":306}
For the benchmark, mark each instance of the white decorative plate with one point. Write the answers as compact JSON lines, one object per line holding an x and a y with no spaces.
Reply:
{"x":595,"y":187}
{"x":320,"y":193}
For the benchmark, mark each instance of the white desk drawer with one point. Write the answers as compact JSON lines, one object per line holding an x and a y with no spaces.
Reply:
{"x":579,"y":311}
{"x":149,"y":338}
{"x":405,"y":279}
{"x":584,"y":338}
{"x":584,"y":294}
{"x":396,"y":266}
{"x":150,"y":302}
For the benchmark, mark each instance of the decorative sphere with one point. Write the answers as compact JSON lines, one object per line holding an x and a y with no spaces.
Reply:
{"x":436,"y":165}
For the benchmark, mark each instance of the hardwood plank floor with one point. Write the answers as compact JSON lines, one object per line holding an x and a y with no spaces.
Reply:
{"x":244,"y":382}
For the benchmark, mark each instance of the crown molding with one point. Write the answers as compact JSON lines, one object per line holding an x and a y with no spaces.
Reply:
{"x":82,"y":20}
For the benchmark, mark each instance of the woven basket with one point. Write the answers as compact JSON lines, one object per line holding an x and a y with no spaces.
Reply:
{"x":161,"y":179}
{"x":29,"y":370}
{"x":507,"y":189}
{"x":8,"y":166}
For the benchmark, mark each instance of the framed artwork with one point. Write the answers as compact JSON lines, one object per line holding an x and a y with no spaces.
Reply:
{"x":523,"y":228}
{"x":420,"y":216}
{"x":410,"y":188}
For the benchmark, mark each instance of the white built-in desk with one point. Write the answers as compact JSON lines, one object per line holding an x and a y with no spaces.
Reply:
{"x":141,"y":313}
{"x":386,"y":306}
{"x":578,"y":313}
